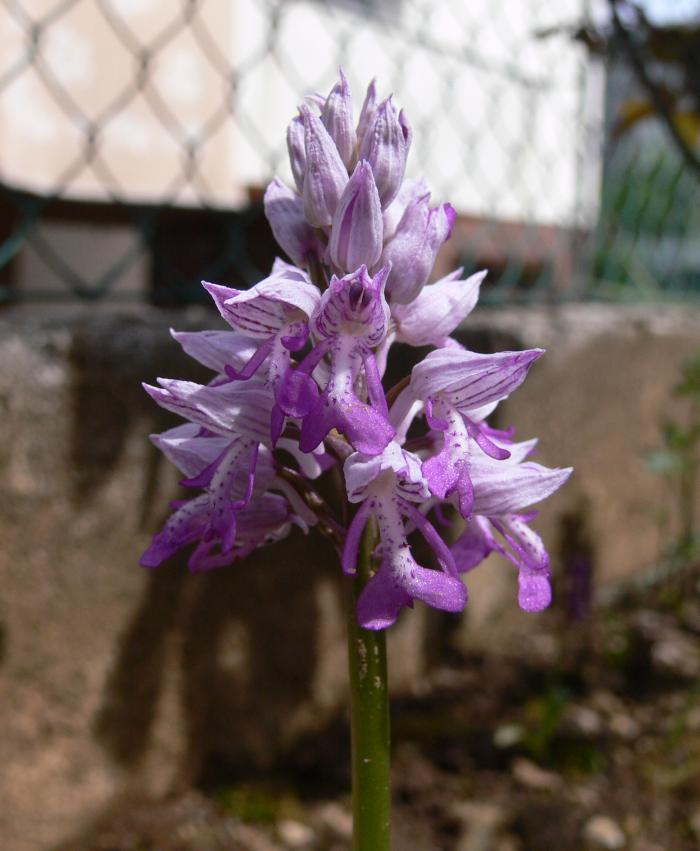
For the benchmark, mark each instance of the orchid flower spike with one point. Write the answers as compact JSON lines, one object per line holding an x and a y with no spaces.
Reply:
{"x":297,"y":390}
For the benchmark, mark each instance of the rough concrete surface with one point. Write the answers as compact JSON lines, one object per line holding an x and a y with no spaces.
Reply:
{"x":115,"y":680}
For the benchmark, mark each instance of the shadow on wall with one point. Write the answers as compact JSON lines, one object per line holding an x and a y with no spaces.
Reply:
{"x":239,"y":644}
{"x":244,"y":644}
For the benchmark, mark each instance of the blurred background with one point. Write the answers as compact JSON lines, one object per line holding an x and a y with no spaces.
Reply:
{"x":165,"y":712}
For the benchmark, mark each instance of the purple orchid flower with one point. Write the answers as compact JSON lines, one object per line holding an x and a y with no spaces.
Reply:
{"x":350,"y":320}
{"x":275,"y":311}
{"x":458,"y":389}
{"x":503,"y":490}
{"x":388,"y":485}
{"x":222,"y":450}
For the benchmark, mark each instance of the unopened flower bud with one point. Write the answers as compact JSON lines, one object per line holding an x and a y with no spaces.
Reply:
{"x":284,"y":210}
{"x":409,"y":191}
{"x":414,"y":247}
{"x":385,"y":145}
{"x":337,"y":118}
{"x":357,"y":232}
{"x":297,"y":150}
{"x":325,"y":176}
{"x":367,"y":113}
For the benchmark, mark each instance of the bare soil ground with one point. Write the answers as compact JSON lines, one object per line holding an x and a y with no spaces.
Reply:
{"x":586,"y":737}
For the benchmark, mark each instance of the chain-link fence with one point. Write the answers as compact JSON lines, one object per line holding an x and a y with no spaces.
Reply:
{"x":138,"y":135}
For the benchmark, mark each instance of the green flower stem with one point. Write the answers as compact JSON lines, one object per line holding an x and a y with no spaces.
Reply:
{"x":369,"y":706}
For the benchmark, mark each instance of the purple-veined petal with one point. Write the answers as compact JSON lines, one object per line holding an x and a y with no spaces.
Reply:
{"x":468,"y":380}
{"x":191,"y":452}
{"x":357,"y":231}
{"x":227,"y":409}
{"x":354,"y":305}
{"x":438,"y":309}
{"x":325,"y":175}
{"x":503,"y":487}
{"x":367,"y":112}
{"x":297,"y":150}
{"x":267,"y":307}
{"x":409,"y":191}
{"x":414,"y":247}
{"x":216,"y":349}
{"x":337,"y":118}
{"x":385,"y":143}
{"x":284,"y":210}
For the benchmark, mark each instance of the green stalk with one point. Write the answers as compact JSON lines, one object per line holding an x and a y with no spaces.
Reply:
{"x":369,"y":707}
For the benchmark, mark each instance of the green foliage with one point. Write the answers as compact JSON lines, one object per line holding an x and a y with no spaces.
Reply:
{"x":678,"y":459}
{"x":264,"y":805}
{"x":544,"y":716}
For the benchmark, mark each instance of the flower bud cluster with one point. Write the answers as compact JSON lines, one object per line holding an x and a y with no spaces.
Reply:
{"x":297,"y":386}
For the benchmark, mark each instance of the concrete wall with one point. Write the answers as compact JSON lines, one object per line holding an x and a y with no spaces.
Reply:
{"x":113,"y":679}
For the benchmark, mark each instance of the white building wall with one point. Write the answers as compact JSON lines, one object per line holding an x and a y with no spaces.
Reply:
{"x":502,"y":118}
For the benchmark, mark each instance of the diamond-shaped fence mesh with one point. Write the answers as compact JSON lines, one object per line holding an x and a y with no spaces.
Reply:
{"x":138,"y":135}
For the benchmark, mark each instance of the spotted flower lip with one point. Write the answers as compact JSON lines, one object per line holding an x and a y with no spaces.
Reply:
{"x":388,"y":485}
{"x":350,"y":319}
